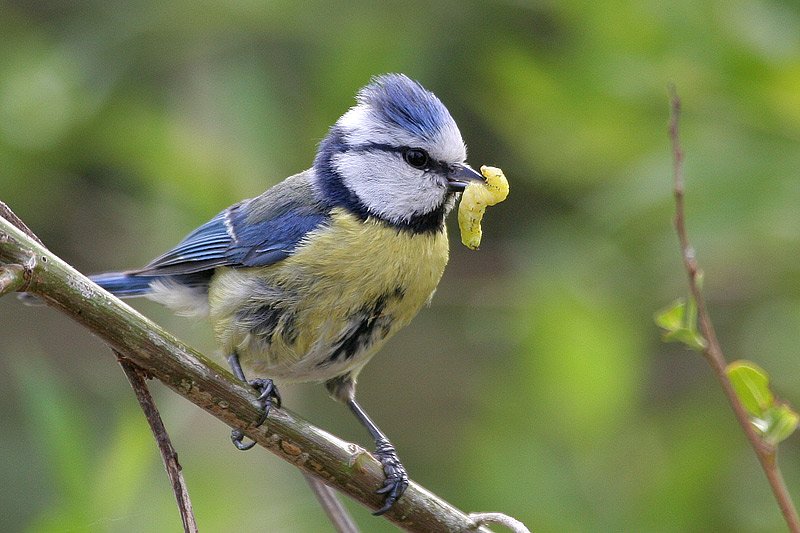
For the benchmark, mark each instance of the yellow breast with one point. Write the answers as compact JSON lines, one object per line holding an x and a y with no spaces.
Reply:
{"x":326,"y":309}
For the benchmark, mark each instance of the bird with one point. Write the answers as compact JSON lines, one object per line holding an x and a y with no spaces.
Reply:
{"x":307,"y":281}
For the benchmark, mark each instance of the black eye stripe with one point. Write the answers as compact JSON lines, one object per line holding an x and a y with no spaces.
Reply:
{"x":376,"y":146}
{"x":433,"y":164}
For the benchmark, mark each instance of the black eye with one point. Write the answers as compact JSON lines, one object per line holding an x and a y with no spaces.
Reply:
{"x":416,"y":157}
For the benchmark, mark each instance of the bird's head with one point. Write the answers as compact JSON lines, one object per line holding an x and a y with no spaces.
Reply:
{"x":396,"y":155}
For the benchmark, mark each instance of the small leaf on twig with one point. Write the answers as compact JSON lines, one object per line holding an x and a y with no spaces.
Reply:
{"x":751,"y":384}
{"x":774,"y":420}
{"x":671,"y":318}
{"x":782,"y":421}
{"x":679,"y":322}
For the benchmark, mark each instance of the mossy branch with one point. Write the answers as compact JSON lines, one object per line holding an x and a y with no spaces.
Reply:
{"x":27,"y":265}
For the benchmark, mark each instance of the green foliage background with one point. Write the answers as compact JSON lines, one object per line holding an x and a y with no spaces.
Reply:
{"x":536,"y":384}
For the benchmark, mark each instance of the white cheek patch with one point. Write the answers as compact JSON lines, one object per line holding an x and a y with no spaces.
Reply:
{"x":388,"y":186}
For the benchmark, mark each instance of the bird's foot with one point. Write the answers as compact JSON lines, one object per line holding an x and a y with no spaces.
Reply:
{"x":396,"y":481}
{"x":268,"y":395}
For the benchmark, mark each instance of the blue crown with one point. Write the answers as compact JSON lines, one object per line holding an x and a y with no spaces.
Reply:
{"x":399,"y":100}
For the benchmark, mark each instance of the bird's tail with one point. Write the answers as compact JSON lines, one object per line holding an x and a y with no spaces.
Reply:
{"x":185,"y":293}
{"x":124,"y":285}
{"x":120,"y":284}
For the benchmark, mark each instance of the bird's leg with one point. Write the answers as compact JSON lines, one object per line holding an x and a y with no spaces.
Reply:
{"x":396,"y":480}
{"x":267,"y":393}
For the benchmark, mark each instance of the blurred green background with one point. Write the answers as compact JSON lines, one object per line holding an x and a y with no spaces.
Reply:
{"x":536,"y":383}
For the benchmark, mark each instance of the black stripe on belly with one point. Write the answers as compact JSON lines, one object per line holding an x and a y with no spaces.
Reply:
{"x":368,"y":325}
{"x":260,"y":321}
{"x":269,"y":311}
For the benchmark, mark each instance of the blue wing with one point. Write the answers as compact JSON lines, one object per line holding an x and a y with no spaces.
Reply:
{"x":255,"y":232}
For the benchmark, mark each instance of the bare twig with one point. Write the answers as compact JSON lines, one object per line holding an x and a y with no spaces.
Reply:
{"x":12,"y":217}
{"x":168,"y":456}
{"x":337,"y":514}
{"x":766,"y":453}
{"x":344,"y":466}
{"x":506,"y":521}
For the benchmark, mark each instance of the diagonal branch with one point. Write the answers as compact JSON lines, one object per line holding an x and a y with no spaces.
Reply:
{"x":765,"y":452}
{"x":15,"y":278}
{"x":337,"y":514}
{"x":342,"y":465}
{"x":168,"y":455}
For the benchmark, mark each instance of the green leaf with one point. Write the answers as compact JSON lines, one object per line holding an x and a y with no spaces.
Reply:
{"x":672,"y":318}
{"x":751,"y":384}
{"x":776,"y":421}
{"x":692,"y":339}
{"x":679,"y":322}
{"x":781,"y":420}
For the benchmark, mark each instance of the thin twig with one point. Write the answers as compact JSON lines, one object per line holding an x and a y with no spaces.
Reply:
{"x":765,"y":452}
{"x":168,"y":456}
{"x":12,"y":217}
{"x":342,"y":465}
{"x":337,"y":514}
{"x":485,"y":519}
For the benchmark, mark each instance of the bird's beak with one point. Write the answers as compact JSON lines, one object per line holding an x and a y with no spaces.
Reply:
{"x":460,"y":175}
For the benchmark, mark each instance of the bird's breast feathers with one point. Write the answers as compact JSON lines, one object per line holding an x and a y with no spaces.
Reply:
{"x":323,"y":311}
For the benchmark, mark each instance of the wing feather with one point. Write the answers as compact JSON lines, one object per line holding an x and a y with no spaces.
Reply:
{"x":256,"y":232}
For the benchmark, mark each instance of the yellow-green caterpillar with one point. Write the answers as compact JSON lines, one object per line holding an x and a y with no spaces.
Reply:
{"x":477,"y":196}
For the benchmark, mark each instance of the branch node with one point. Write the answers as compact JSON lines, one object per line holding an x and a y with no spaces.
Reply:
{"x":12,"y":278}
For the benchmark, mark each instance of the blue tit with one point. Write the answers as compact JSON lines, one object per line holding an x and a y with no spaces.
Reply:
{"x":308,"y":280}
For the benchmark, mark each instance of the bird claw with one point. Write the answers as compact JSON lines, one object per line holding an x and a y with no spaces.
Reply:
{"x":396,"y":481}
{"x":268,"y":394}
{"x":237,"y":437}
